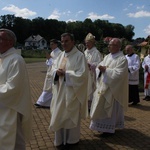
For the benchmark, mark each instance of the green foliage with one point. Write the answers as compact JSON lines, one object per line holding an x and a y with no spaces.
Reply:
{"x":33,"y":60}
{"x":52,"y":28}
{"x":33,"y":53}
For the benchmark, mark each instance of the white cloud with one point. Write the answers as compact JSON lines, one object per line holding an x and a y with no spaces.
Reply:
{"x":55,"y":15}
{"x":140,"y":7}
{"x":128,"y":7}
{"x":147,"y":30}
{"x":78,"y":13}
{"x":94,"y":16}
{"x":139,"y":14}
{"x":24,"y":13}
{"x":70,"y":20}
{"x":67,"y":13}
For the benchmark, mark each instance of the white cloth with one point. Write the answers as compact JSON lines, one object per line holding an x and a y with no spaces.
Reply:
{"x":45,"y":99}
{"x":15,"y":98}
{"x":110,"y":124}
{"x":20,"y":141}
{"x":145,"y":62}
{"x":93,"y":57}
{"x":69,"y":102}
{"x":46,"y":95}
{"x":111,"y":85}
{"x":133,"y":67}
{"x":67,"y":136}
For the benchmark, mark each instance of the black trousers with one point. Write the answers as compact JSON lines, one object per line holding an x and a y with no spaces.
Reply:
{"x":134,"y":93}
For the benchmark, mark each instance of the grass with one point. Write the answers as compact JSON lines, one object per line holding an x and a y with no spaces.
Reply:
{"x":32,"y":60}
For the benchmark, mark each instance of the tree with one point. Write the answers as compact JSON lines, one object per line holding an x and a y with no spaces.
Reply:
{"x":7,"y":21}
{"x":129,"y":32}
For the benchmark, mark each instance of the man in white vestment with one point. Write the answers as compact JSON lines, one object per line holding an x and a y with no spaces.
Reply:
{"x":146,"y":67}
{"x":45,"y":98}
{"x":69,"y":102}
{"x":110,"y":98}
{"x":93,"y":57}
{"x":133,"y":71}
{"x":15,"y":98}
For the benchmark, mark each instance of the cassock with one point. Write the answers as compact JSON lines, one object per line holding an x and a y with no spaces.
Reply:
{"x":15,"y":99}
{"x":69,"y":102}
{"x":111,"y":95}
{"x":133,"y":71}
{"x":46,"y":96}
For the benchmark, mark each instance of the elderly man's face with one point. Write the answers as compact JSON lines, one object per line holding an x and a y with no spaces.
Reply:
{"x":129,"y":50}
{"x":113,"y":47}
{"x":89,"y":44}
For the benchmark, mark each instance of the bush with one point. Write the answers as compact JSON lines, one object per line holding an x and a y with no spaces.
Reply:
{"x":34,"y":53}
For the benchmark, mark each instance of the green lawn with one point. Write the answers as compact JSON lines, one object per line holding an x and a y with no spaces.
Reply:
{"x":32,"y":60}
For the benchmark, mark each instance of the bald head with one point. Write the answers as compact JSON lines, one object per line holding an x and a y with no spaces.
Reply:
{"x":114,"y":45}
{"x":7,"y":40}
{"x":10,"y":35}
{"x":129,"y":49}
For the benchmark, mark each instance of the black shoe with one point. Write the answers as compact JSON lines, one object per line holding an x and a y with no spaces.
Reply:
{"x":134,"y":103}
{"x":146,"y":97}
{"x":106,"y":134}
{"x":74,"y":146}
{"x":60,"y":147}
{"x":37,"y":105}
{"x":40,"y":106}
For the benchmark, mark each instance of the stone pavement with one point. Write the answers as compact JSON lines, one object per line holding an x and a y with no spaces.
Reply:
{"x":135,"y":136}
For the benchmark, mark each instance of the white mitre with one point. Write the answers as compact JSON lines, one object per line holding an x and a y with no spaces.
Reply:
{"x":90,"y":37}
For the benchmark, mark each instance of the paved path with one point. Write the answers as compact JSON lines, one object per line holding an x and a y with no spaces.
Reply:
{"x":135,"y":136}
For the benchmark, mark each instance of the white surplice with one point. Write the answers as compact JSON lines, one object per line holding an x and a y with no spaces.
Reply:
{"x":46,"y":95}
{"x":133,"y":66}
{"x":93,"y":57}
{"x":111,"y":93}
{"x":15,"y":99}
{"x":69,"y":102}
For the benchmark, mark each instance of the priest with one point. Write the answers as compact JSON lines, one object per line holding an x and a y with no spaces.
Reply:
{"x":111,"y":95}
{"x":69,"y":102}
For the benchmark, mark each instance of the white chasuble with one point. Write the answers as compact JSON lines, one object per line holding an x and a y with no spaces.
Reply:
{"x":69,"y":102}
{"x":14,"y":96}
{"x":111,"y":85}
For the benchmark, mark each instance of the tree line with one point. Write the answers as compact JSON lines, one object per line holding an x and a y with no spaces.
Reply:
{"x":52,"y":28}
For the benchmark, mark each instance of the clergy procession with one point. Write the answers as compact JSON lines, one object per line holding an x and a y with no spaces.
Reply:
{"x":86,"y":100}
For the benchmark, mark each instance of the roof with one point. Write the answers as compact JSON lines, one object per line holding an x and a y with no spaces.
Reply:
{"x":34,"y":38}
{"x":144,"y":43}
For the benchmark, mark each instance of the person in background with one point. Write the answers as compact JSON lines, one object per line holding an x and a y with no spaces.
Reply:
{"x":46,"y":96}
{"x":93,"y":57}
{"x":69,"y":102}
{"x":110,"y":98}
{"x":15,"y":97}
{"x":133,"y":71}
{"x":146,"y":67}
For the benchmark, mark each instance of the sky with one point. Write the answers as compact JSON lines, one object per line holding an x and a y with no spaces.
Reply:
{"x":125,"y":12}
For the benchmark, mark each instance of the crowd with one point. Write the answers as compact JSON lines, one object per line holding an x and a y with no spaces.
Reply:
{"x":79,"y":82}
